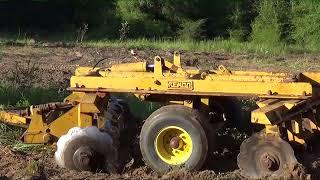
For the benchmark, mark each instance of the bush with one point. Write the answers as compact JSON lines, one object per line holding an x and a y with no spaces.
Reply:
{"x":306,"y":18}
{"x":191,"y":30}
{"x":237,"y":32}
{"x":142,"y":24}
{"x":265,"y":28}
{"x":12,"y":95}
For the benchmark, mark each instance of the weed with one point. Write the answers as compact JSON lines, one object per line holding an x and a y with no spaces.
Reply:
{"x":24,"y":75}
{"x":9,"y":134}
{"x":23,"y":102}
{"x":124,"y":31}
{"x":34,"y":169}
{"x":21,"y":147}
{"x":81,"y":32}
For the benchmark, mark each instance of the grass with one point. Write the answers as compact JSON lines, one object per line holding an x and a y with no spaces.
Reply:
{"x":10,"y":135}
{"x":217,"y":45}
{"x":12,"y":95}
{"x":294,"y":66}
{"x":33,"y":169}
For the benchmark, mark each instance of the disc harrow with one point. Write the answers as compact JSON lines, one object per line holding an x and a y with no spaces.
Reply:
{"x":90,"y":124}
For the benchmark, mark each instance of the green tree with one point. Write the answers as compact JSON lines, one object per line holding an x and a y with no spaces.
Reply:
{"x":306,"y":18}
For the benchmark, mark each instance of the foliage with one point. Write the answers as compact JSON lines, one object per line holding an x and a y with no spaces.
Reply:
{"x":265,"y":28}
{"x":28,"y":18}
{"x":306,"y":21}
{"x":9,"y":134}
{"x":191,"y":30}
{"x":10,"y":94}
{"x":265,"y":23}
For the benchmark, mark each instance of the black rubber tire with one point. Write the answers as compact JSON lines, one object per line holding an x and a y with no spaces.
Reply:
{"x":175,"y":115}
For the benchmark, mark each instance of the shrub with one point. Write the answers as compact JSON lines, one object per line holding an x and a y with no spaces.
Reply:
{"x":306,"y":18}
{"x":191,"y":30}
{"x":265,"y":28}
{"x":237,"y":32}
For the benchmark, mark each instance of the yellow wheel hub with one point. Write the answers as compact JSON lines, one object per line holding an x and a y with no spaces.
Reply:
{"x":173,"y":145}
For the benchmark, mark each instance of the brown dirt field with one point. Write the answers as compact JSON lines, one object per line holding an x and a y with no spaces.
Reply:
{"x":41,"y":165}
{"x":56,"y":65}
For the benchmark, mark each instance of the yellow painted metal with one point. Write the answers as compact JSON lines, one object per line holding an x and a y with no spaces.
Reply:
{"x":177,"y":69}
{"x":272,"y":110}
{"x":182,"y":86}
{"x":81,"y":114}
{"x":260,"y":73}
{"x":292,"y":103}
{"x":39,"y":131}
{"x":294,"y":138}
{"x":264,"y":103}
{"x":177,"y":102}
{"x":68,"y":120}
{"x":168,"y":78}
{"x":36,"y":129}
{"x":282,"y":92}
{"x":272,"y":129}
{"x":88,"y":103}
{"x":74,"y":97}
{"x":226,"y":76}
{"x":311,"y":77}
{"x":223,"y":70}
{"x":173,"y":156}
{"x":295,"y":126}
{"x":309,"y":125}
{"x":129,"y":67}
{"x":188,"y":103}
{"x":205,"y":101}
{"x":158,"y":71}
{"x":12,"y":118}
{"x":177,"y":59}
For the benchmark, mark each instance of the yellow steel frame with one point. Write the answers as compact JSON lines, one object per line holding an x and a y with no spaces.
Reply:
{"x":283,"y":94}
{"x":168,"y":78}
{"x":87,"y":107}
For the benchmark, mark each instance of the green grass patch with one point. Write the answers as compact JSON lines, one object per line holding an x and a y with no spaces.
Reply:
{"x":10,"y":135}
{"x":12,"y":95}
{"x":219,"y":45}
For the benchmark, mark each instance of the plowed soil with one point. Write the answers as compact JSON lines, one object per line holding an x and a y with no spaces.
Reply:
{"x":56,"y":65}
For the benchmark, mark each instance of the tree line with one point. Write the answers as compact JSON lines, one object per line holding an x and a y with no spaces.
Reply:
{"x":260,"y":21}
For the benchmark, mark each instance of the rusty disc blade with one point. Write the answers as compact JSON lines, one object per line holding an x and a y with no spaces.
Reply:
{"x":262,"y":155}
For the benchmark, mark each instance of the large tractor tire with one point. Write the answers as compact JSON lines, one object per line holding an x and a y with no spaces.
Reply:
{"x":173,"y":137}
